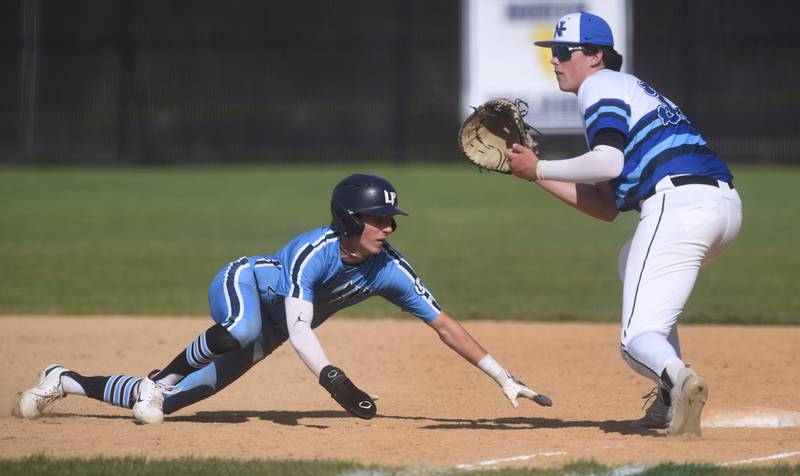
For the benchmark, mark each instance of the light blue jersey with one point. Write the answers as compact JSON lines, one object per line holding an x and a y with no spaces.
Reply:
{"x":247,"y":298}
{"x":250,"y":291}
{"x":660,"y":139}
{"x":311,"y":268}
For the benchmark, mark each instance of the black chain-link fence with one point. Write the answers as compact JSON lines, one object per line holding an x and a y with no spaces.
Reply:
{"x":203,"y":81}
{"x":209,"y":81}
{"x":732,"y":66}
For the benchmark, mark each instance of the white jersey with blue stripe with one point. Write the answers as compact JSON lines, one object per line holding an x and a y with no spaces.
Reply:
{"x":660,"y":140}
{"x":310,"y":268}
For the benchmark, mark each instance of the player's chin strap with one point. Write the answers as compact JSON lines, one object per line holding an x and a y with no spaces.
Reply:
{"x":349,"y":254}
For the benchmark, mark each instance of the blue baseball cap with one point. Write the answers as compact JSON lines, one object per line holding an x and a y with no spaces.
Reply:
{"x":580,"y":28}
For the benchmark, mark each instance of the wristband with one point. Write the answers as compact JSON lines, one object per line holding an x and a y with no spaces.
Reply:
{"x":493,"y":369}
{"x":539,"y":166}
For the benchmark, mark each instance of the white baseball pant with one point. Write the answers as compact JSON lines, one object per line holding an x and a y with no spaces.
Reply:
{"x":680,"y":230}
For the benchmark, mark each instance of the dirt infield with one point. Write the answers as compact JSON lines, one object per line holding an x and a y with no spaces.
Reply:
{"x":434,"y":409}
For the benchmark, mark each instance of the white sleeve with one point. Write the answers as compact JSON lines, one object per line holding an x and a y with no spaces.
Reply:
{"x":299,"y":314}
{"x":598,"y":165}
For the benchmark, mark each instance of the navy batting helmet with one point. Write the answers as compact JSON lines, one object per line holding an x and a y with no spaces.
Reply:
{"x":362,"y":194}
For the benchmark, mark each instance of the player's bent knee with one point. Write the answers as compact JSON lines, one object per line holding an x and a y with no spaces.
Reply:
{"x":634,"y":332}
{"x":246,"y":331}
{"x":220,"y":341}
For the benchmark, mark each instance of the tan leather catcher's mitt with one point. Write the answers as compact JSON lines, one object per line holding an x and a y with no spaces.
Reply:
{"x":491,"y":129}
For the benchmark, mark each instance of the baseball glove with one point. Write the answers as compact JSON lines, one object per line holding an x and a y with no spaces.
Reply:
{"x":491,"y":129}
{"x":346,"y":394}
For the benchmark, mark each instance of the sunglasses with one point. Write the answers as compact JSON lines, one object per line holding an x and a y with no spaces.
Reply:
{"x":563,"y":52}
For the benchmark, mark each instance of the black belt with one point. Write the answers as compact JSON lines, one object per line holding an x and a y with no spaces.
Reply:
{"x":682,"y":180}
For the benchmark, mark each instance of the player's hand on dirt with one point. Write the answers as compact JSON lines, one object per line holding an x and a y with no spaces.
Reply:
{"x":522,"y":162}
{"x":514,"y":388}
{"x":346,"y":394}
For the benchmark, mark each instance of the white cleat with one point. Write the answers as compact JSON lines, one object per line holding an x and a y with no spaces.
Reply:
{"x":688,"y":397}
{"x":32,"y":402}
{"x":148,"y":408}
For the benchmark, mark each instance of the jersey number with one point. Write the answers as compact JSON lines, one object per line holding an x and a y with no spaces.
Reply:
{"x":424,"y":293}
{"x":668,"y":113}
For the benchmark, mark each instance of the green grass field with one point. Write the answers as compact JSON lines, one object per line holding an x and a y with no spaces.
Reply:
{"x":148,"y":241}
{"x":40,"y":465}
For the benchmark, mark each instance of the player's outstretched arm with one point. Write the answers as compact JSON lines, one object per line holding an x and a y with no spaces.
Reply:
{"x":457,"y":338}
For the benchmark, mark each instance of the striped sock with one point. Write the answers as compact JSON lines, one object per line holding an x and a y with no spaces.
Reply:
{"x":119,"y":390}
{"x":198,"y":355}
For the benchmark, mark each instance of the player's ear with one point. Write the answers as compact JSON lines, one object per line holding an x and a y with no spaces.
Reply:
{"x":597,"y":59}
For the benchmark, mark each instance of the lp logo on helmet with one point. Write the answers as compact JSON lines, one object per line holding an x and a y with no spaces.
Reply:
{"x":389,"y":197}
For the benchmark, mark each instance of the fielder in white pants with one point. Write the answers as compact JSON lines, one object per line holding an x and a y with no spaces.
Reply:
{"x":680,"y":230}
{"x":644,"y":155}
